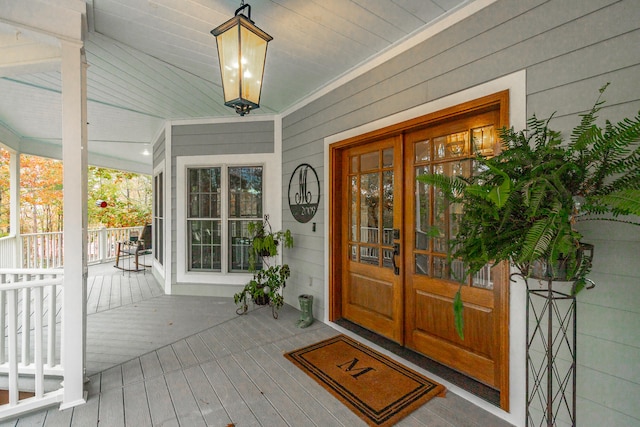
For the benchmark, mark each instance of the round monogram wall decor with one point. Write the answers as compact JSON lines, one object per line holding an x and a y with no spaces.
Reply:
{"x":304,"y":193}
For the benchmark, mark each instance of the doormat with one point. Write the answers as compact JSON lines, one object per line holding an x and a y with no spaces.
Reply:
{"x":376,"y":388}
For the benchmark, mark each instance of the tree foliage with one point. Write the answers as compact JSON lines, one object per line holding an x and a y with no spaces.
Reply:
{"x":4,"y":192}
{"x":128,"y":196}
{"x":40,"y":194}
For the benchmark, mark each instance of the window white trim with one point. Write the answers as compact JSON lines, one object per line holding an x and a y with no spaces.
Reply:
{"x":272,"y":199}
{"x":157,"y":266}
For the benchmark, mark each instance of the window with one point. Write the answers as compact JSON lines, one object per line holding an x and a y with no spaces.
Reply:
{"x":158,"y":217}
{"x":216,"y":209}
{"x":245,"y":205}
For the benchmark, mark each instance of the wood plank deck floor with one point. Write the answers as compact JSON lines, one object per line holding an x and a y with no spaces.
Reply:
{"x":157,"y":360}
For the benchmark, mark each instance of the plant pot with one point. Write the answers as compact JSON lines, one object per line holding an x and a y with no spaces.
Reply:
{"x":261,"y":300}
{"x":265,"y":252}
{"x":542,"y":270}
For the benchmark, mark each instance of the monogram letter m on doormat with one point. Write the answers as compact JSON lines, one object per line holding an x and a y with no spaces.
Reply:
{"x":378,"y":389}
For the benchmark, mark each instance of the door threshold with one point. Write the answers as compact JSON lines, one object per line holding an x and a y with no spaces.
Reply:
{"x":466,"y":383}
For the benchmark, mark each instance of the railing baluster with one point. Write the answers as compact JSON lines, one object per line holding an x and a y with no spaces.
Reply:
{"x":37,"y":343}
{"x":3,"y":312}
{"x":13,"y":346}
{"x":26,"y":323}
{"x":51,"y":331}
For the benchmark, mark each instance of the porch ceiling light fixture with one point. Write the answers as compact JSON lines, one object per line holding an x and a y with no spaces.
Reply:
{"x":242,"y":51}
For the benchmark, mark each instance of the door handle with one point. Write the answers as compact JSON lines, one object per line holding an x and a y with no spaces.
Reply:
{"x":396,"y":251}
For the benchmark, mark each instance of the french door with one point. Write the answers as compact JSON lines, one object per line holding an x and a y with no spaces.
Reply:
{"x":373,"y":293}
{"x":391,"y":258}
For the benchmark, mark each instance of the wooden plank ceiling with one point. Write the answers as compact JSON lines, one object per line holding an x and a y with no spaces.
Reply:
{"x":154,"y":60}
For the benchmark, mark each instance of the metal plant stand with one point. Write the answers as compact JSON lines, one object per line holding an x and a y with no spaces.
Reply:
{"x":551,"y":340}
{"x":551,"y":355}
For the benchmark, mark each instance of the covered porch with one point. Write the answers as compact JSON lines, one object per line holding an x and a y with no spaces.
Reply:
{"x":155,"y":359}
{"x":124,"y":90}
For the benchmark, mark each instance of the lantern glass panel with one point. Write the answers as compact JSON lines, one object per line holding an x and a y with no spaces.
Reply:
{"x":254,"y":50}
{"x":228,"y":52}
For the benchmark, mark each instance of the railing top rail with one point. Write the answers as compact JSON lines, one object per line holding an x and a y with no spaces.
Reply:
{"x":41,"y":233}
{"x":11,"y":286}
{"x":33,"y":271}
{"x":93,"y":230}
{"x":121,"y":228}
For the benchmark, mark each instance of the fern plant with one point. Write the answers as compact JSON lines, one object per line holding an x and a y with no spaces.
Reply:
{"x":523,"y":205}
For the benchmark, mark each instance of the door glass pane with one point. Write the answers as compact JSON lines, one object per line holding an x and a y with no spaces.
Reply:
{"x":422,"y":264}
{"x":440,"y":144}
{"x":422,"y":151}
{"x":387,"y":255}
{"x":354,"y":209}
{"x":439,"y":216}
{"x":369,"y":255}
{"x":387,"y":158}
{"x":439,"y":268}
{"x":369,"y":207}
{"x":451,"y":146}
{"x":459,"y":168}
{"x":354,"y":164}
{"x":422,"y":211}
{"x":457,"y":144}
{"x":353,"y":252}
{"x":483,"y":278}
{"x":483,"y":140}
{"x":387,"y":208}
{"x":369,"y":161}
{"x":457,"y":272}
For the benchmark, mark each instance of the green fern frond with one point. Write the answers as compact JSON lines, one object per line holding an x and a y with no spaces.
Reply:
{"x":450,"y":186}
{"x":539,"y":238}
{"x":582,"y":135}
{"x":458,"y":313}
{"x":625,"y":202}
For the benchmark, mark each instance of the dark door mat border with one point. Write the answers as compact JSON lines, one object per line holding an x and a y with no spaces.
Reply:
{"x":474,"y":387}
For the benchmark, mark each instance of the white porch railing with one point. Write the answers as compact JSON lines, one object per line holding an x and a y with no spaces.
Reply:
{"x":45,"y":250}
{"x":8,"y":252}
{"x":30,"y":321}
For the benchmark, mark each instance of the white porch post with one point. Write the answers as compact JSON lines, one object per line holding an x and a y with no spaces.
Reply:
{"x":14,"y":206}
{"x":74,"y":156}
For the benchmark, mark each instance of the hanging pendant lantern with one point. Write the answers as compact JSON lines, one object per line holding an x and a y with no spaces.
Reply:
{"x":242,"y":51}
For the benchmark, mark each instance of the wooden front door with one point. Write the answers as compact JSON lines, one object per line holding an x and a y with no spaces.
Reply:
{"x":392,"y":234}
{"x":430,"y":280}
{"x":372,"y":295}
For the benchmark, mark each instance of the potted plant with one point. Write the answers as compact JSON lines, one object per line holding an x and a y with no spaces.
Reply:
{"x":523,"y":203}
{"x":269,"y":277}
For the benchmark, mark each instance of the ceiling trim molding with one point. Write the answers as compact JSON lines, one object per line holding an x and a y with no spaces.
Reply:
{"x":226,"y":119}
{"x":9,"y":139}
{"x":61,"y":21}
{"x":431,"y":29}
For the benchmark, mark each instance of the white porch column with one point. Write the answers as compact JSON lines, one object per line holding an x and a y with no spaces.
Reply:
{"x":74,"y":157}
{"x":14,"y":206}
